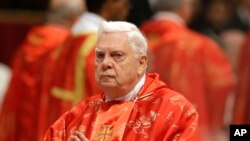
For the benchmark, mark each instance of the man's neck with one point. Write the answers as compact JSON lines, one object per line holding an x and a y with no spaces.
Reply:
{"x":130,"y":95}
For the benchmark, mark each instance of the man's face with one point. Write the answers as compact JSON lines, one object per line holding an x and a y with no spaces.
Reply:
{"x":117,"y":67}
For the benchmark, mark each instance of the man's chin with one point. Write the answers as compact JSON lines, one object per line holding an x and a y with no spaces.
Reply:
{"x":107,"y":85}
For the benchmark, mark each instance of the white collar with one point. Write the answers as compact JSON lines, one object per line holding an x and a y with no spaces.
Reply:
{"x":87,"y":22}
{"x":132,"y":93}
{"x":162,"y":15}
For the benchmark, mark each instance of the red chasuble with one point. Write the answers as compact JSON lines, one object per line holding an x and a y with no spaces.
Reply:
{"x":157,"y":113}
{"x":192,"y":65}
{"x":20,"y":112}
{"x":241,"y":114}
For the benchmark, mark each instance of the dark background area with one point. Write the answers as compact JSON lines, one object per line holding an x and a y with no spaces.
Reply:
{"x":23,"y":4}
{"x":16,"y":18}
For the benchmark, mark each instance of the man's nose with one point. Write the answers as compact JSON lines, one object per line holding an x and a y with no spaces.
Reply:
{"x":107,"y":63}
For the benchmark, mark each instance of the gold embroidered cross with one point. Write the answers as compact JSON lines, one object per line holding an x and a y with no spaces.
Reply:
{"x":104,"y":134}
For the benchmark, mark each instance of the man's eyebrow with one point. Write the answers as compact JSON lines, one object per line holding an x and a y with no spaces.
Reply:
{"x":117,"y":51}
{"x":98,"y":50}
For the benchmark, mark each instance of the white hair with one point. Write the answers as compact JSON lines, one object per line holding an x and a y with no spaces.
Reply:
{"x":136,"y":40}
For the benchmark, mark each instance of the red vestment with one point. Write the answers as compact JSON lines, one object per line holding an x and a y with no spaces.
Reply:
{"x":192,"y":65}
{"x":72,"y":78}
{"x":158,"y":113}
{"x":241,"y":114}
{"x":20,"y":114}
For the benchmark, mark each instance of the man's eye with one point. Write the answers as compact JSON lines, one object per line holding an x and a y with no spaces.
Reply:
{"x":99,"y":56}
{"x":117,"y":56}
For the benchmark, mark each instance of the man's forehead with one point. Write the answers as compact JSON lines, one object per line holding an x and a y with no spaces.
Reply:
{"x":112,"y":40}
{"x":110,"y":49}
{"x":121,"y":34}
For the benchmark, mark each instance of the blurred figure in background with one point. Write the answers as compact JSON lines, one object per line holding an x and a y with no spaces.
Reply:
{"x":99,"y":11}
{"x":20,"y":115}
{"x":233,"y":35}
{"x":190,"y":63}
{"x":241,"y":113}
{"x":5,"y":76}
{"x":73,"y":78}
{"x":233,"y":38}
{"x":216,"y":15}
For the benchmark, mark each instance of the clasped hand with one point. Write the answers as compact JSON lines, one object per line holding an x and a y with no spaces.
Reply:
{"x":78,"y":136}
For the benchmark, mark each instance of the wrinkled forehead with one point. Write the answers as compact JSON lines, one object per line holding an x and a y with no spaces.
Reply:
{"x":112,"y":40}
{"x":120,"y":34}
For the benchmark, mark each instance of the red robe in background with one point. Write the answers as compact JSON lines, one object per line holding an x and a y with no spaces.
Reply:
{"x":20,"y":111}
{"x":72,"y":78}
{"x":192,"y":65}
{"x":159,"y":114}
{"x":241,"y":114}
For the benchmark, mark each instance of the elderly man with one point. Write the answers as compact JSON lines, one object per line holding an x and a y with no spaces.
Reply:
{"x":133,"y":105}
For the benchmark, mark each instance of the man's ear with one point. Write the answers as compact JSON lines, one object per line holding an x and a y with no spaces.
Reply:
{"x":143,"y":61}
